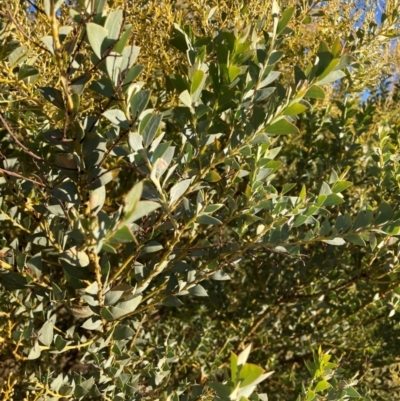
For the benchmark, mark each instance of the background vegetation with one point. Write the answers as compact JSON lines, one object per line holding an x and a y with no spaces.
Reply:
{"x":181,"y":179}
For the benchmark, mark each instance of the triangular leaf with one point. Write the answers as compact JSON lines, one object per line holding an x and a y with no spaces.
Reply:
{"x":282,"y":127}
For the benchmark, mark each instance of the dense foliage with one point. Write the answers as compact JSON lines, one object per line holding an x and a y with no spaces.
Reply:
{"x":183,"y":179}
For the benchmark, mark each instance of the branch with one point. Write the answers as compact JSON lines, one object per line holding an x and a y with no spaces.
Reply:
{"x":8,"y":172}
{"x":19,"y":27}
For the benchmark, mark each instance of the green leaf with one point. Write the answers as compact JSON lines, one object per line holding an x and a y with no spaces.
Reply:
{"x":372,"y":241}
{"x":282,"y":127}
{"x":97,"y":199}
{"x":150,"y":129}
{"x":59,"y":294}
{"x":198,"y":291}
{"x":310,"y":395}
{"x":99,"y":177}
{"x":82,"y":389}
{"x":178,"y":190}
{"x":212,"y":176}
{"x":143,"y":208}
{"x":27,"y":71}
{"x":220,"y":275}
{"x":271,"y":77}
{"x":48,"y":41}
{"x":321,"y":386}
{"x":300,"y":219}
{"x":294,"y":109}
{"x":233,"y":72}
{"x":113,"y":66}
{"x":123,"y":332}
{"x":59,"y":343}
{"x":355,"y":239}
{"x":186,"y":99}
{"x":262,"y":94}
{"x":213,"y":207}
{"x":122,"y":236}
{"x":53,"y":95}
{"x":315,"y":92}
{"x":332,"y":200}
{"x":343,"y":223}
{"x":352,"y":393}
{"x":104,"y":87}
{"x":331,"y":77}
{"x":35,"y":352}
{"x":234,"y":369}
{"x":122,"y":308}
{"x":35,"y":265}
{"x":286,"y":188}
{"x":120,"y":45}
{"x":75,"y":257}
{"x":132,"y":199}
{"x":46,"y":333}
{"x":335,"y":241}
{"x":329,"y":68}
{"x":363,"y":219}
{"x":97,"y":36}
{"x":208,"y":220}
{"x":117,"y":117}
{"x":392,"y":228}
{"x":383,"y":214}
{"x":337,"y":47}
{"x":340,"y":186}
{"x":139,"y":102}
{"x":172,"y":301}
{"x":223,"y":390}
{"x":285,"y":19}
{"x":66,"y":192}
{"x":249,"y":373}
{"x":113,"y":24}
{"x":198,"y":81}
{"x":93,"y":323}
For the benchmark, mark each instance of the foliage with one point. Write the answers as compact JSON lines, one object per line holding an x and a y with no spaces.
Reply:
{"x":240,"y":193}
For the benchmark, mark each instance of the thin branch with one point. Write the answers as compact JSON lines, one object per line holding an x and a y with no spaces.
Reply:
{"x":29,"y":152}
{"x":36,"y":7}
{"x":8,"y":172}
{"x":26,"y":150}
{"x":21,"y":29}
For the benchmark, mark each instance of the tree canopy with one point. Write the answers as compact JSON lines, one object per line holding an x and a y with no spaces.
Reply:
{"x":199,"y":200}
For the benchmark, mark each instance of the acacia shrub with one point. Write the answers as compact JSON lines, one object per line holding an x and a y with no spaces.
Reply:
{"x":143,"y":241}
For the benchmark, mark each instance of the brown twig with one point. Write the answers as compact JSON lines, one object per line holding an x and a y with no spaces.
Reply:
{"x":8,"y":172}
{"x":26,"y":150}
{"x":29,"y":152}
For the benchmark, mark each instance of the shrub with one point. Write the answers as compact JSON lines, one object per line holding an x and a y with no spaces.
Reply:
{"x":153,"y":229}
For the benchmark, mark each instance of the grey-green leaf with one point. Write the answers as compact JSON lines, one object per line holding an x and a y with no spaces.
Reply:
{"x":335,"y":241}
{"x":124,"y":308}
{"x":143,"y":208}
{"x":122,"y":332}
{"x":113,"y":24}
{"x":209,"y":220}
{"x":149,"y":131}
{"x":75,"y":257}
{"x":139,"y":102}
{"x":46,"y":333}
{"x":198,"y":291}
{"x":66,"y":192}
{"x":97,"y":36}
{"x":178,"y":190}
{"x":53,"y":95}
{"x":35,"y":352}
{"x":117,"y":117}
{"x":172,"y":301}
